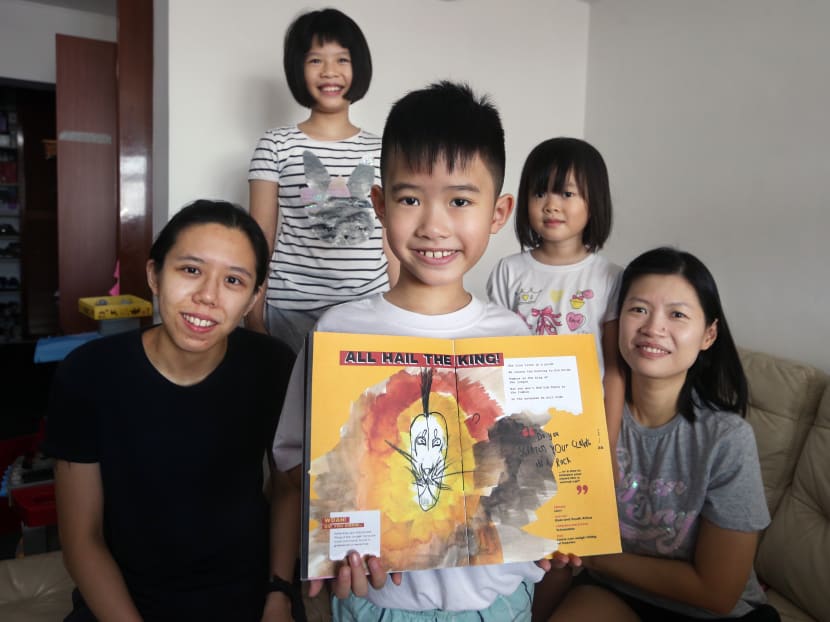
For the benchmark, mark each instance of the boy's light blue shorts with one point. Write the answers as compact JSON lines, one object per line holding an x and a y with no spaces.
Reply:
{"x":512,"y":608}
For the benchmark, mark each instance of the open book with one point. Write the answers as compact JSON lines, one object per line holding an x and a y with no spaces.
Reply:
{"x":434,"y":453}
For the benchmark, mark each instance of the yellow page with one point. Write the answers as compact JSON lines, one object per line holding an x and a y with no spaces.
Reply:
{"x":554,"y":436}
{"x":434,"y":453}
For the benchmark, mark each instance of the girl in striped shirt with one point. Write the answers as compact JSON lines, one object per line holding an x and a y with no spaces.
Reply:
{"x":310,"y":184}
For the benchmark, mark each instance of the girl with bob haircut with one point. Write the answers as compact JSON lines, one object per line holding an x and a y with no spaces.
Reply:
{"x":690,"y":497}
{"x":159,"y":436}
{"x":547,"y":168}
{"x":325,"y":26}
{"x":310,"y":184}
{"x":558,"y":284}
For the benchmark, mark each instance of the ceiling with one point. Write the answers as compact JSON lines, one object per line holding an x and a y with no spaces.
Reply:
{"x":102,"y":7}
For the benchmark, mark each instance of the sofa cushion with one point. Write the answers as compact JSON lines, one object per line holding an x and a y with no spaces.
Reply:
{"x":793,"y":555}
{"x":787,"y":611}
{"x":35,"y":588}
{"x":783,"y":397}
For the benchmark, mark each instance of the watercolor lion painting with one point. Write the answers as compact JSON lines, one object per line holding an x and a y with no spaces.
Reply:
{"x":456,"y":480}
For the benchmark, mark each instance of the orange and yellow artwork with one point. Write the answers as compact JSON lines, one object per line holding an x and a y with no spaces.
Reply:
{"x":452,"y":476}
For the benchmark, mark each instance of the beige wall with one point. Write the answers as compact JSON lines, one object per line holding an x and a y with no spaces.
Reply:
{"x":713,"y":117}
{"x":27,"y":37}
{"x":226,"y":83}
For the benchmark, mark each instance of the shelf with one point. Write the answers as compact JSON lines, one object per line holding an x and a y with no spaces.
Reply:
{"x":14,"y":289}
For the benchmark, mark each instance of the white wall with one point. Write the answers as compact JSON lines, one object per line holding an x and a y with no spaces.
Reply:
{"x":713,"y":117}
{"x":27,"y":37}
{"x":161,"y":114}
{"x":226,"y":83}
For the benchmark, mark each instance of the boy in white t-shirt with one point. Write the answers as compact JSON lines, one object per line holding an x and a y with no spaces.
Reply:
{"x":442,"y":168}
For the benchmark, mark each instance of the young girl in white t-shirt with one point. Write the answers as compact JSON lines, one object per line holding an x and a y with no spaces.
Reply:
{"x":559,"y":284}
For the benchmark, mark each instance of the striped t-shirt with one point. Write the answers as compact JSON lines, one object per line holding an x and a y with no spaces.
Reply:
{"x":330,"y":243}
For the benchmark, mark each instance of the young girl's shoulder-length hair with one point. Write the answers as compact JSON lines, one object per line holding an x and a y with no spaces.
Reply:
{"x":325,"y":26}
{"x":546,"y":168}
{"x":716,"y":380}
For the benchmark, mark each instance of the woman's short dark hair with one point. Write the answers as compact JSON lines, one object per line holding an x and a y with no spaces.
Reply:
{"x":325,"y":26}
{"x":546,"y":168}
{"x":202,"y":212}
{"x":716,"y":380}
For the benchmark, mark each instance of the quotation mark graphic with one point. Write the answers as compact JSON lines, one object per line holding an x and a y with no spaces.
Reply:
{"x":580,"y":489}
{"x":527,"y":432}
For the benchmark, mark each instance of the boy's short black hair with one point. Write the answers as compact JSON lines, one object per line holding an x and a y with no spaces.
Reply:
{"x":444,"y":120}
{"x":325,"y":26}
{"x":546,"y":168}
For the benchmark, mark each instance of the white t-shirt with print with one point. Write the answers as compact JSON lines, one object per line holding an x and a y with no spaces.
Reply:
{"x":451,"y":589}
{"x":558,"y":300}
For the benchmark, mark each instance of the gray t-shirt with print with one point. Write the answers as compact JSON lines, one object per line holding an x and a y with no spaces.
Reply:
{"x":672,"y":476}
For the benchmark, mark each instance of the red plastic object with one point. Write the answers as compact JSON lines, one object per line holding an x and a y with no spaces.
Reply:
{"x":35,"y":505}
{"x":11,"y":448}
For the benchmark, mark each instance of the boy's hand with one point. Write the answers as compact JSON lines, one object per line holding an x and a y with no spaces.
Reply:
{"x":560,"y":560}
{"x":352,"y":579}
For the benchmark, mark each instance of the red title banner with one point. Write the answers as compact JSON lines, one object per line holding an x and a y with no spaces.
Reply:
{"x":340,"y":522}
{"x":421,"y":359}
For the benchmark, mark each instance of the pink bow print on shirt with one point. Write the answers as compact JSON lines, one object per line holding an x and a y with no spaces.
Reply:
{"x":546,"y":321}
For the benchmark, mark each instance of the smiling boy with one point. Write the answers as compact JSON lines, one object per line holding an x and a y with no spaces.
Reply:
{"x":442,"y":168}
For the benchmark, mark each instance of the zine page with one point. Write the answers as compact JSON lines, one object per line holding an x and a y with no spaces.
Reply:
{"x":436,"y":453}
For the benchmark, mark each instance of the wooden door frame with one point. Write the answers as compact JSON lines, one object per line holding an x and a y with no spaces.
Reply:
{"x":87,"y":136}
{"x":126,"y":236}
{"x":135,"y":143}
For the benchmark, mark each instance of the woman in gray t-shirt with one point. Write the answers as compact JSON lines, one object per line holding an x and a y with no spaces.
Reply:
{"x":689,"y":493}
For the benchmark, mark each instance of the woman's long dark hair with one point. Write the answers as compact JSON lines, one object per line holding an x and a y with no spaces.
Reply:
{"x":716,"y":380}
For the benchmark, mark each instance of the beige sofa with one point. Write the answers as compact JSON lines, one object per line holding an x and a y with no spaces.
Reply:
{"x":35,"y":588}
{"x":790,"y":412}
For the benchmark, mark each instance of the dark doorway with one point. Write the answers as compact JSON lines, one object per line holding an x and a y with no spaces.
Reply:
{"x":28,"y":211}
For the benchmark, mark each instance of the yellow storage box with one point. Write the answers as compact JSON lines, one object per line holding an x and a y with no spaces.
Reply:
{"x":114,"y":307}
